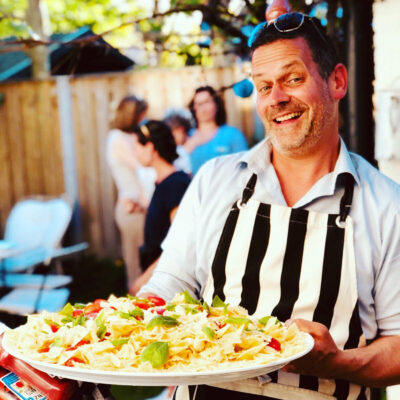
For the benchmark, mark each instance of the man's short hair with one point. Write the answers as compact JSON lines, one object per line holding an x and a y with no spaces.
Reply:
{"x":322,"y":49}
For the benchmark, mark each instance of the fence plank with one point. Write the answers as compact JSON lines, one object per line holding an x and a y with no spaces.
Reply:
{"x":6,"y":195}
{"x":33,"y":154}
{"x":48,"y":128}
{"x":15,"y":129}
{"x":107,"y":193}
{"x":87,"y":162}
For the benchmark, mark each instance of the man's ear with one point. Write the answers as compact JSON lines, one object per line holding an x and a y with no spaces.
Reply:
{"x":338,"y":81}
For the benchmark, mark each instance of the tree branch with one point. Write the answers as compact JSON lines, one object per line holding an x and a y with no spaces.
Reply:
{"x":213,"y":18}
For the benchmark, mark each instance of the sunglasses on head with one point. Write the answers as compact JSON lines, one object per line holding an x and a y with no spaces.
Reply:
{"x":144,"y":135}
{"x":284,"y":23}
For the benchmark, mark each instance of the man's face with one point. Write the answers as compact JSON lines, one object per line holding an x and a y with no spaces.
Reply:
{"x":293,"y":101}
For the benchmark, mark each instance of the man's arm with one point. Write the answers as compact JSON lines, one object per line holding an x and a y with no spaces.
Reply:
{"x":142,"y":279}
{"x":375,"y":365}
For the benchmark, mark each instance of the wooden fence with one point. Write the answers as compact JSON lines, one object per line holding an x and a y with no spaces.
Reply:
{"x":53,"y":134}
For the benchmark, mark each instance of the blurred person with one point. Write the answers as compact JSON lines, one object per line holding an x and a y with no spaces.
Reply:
{"x":156,"y":148}
{"x":134,"y":183}
{"x":212,"y":136}
{"x":179,"y":121}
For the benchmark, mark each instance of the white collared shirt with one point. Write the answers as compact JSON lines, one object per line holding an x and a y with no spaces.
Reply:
{"x":189,"y":248}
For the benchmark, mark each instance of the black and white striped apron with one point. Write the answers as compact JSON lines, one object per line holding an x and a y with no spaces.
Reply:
{"x":290,"y":263}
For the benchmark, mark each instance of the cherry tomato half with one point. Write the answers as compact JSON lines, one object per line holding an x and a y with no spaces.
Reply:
{"x":44,"y":350}
{"x":143,"y":304}
{"x":80,"y":343}
{"x":99,"y":301}
{"x":70,"y":362}
{"x":157,"y":301}
{"x":92,"y":308}
{"x":77,"y":312}
{"x":274,"y":344}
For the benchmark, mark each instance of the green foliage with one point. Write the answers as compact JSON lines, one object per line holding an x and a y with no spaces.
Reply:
{"x":160,"y":38}
{"x":12,"y":14}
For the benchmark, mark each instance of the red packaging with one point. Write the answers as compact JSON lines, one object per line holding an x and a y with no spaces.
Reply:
{"x":13,"y":388}
{"x":5,"y":393}
{"x":52,"y":388}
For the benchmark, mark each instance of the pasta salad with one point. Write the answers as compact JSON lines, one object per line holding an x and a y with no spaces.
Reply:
{"x":148,"y":335}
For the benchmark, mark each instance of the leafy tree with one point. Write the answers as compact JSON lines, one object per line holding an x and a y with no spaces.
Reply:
{"x":174,"y":32}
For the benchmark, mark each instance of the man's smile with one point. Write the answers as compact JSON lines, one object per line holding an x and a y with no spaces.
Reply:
{"x":288,"y":117}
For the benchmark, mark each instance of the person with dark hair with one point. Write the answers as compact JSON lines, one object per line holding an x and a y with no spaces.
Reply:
{"x":297,"y":227}
{"x":180,"y":124}
{"x":156,"y":148}
{"x":212,"y":137}
{"x":135,"y":184}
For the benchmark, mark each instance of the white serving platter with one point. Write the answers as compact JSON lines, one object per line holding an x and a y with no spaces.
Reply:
{"x":157,"y":378}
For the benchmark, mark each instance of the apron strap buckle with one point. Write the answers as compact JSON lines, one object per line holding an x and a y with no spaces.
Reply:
{"x":248,"y":191}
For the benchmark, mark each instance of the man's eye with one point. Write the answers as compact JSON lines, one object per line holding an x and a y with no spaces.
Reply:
{"x":295,"y":80}
{"x":264,"y":90}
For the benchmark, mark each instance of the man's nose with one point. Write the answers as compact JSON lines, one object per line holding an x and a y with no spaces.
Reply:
{"x":277,"y":96}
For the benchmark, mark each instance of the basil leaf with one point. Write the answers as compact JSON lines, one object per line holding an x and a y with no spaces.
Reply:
{"x":206,"y":307}
{"x":190,"y":310}
{"x":263,"y":321}
{"x":50,"y":322}
{"x":156,"y":353}
{"x":217,"y":302}
{"x":189,"y":299}
{"x":67,"y":310}
{"x":100,"y":319}
{"x":101,"y":331}
{"x":238,"y":321}
{"x":122,"y":314}
{"x":137,"y":312}
{"x":208,"y":332}
{"x":119,"y":342}
{"x":79,"y":320}
{"x":57,"y":342}
{"x":161,"y":320}
{"x":67,"y":319}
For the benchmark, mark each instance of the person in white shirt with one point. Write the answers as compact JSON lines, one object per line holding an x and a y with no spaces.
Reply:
{"x":298,"y":227}
{"x":135,"y":184}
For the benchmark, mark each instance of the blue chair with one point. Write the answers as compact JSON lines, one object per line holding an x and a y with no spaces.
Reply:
{"x":33,"y":235}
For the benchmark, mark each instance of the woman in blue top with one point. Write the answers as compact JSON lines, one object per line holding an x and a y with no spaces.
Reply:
{"x":212,"y":137}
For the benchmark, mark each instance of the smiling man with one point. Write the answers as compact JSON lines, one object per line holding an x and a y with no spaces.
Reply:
{"x":298,"y":227}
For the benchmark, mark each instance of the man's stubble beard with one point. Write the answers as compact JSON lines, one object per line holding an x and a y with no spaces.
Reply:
{"x":309,"y":135}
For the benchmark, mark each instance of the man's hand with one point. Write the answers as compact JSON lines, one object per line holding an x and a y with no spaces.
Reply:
{"x":375,"y":365}
{"x":320,"y":361}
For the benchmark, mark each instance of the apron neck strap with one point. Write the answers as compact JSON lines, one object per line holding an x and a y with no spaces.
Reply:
{"x":249,"y":189}
{"x":345,"y":201}
{"x":347,"y":198}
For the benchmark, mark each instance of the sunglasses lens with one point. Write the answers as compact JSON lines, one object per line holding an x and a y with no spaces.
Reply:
{"x":289,"y":22}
